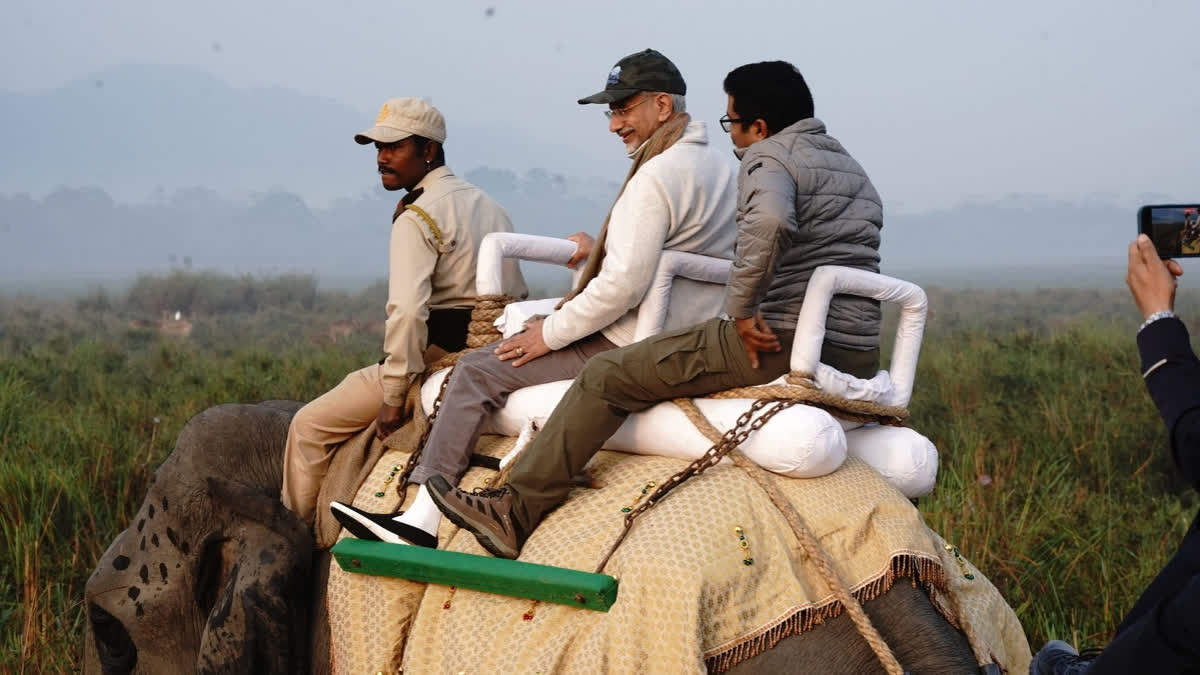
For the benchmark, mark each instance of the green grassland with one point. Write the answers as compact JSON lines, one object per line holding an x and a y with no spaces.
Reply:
{"x":1054,"y":476}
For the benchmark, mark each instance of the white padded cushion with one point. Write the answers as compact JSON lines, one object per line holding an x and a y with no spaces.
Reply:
{"x":679,"y":272}
{"x":497,"y":246}
{"x":829,"y":280}
{"x":801,"y":442}
{"x":904,"y":457}
{"x":512,"y":321}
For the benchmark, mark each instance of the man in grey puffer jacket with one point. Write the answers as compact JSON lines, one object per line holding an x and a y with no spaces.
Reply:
{"x":802,"y":202}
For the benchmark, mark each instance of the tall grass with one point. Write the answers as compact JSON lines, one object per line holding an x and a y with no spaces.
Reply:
{"x":1054,"y":477}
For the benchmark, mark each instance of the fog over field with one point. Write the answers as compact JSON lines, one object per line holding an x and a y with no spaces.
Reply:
{"x":1011,"y":144}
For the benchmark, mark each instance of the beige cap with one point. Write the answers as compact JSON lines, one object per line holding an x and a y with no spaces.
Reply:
{"x":400,"y":118}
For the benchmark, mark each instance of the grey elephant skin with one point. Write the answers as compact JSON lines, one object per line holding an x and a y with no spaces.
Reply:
{"x":214,"y":575}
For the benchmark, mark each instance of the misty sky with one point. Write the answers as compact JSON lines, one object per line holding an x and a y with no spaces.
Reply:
{"x":942,"y":102}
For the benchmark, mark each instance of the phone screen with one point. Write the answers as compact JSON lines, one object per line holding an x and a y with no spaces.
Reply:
{"x":1174,"y":229}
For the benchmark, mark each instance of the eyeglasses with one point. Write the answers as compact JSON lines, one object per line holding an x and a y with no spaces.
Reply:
{"x":727,"y":122}
{"x":622,"y":112}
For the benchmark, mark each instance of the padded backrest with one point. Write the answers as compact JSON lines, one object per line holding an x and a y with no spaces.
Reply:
{"x":652,"y":314}
{"x":830,"y":280}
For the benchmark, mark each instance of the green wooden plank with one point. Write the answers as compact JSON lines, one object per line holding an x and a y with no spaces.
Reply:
{"x":481,"y":573}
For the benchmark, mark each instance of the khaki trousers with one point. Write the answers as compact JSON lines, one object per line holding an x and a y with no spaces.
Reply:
{"x":319,"y":428}
{"x":688,"y":363}
{"x":326,"y":422}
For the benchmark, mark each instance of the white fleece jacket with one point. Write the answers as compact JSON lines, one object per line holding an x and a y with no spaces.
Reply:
{"x":684,"y":199}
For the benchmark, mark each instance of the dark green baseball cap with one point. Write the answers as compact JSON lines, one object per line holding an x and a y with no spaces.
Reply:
{"x":646,"y":70}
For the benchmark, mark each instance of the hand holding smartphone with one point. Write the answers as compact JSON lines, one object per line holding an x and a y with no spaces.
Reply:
{"x":1174,"y":229}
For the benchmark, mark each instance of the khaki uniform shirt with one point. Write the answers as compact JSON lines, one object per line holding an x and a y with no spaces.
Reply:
{"x":432,"y":265}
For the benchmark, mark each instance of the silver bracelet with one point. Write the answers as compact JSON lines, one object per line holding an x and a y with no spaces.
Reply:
{"x":1164,"y":314}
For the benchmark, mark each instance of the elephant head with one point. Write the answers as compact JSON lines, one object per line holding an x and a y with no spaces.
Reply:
{"x":212,"y":574}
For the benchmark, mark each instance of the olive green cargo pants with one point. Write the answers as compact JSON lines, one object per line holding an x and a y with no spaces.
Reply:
{"x":688,"y":363}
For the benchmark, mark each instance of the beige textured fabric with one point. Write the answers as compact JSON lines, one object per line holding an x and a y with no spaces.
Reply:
{"x":370,"y":616}
{"x":687,"y":602}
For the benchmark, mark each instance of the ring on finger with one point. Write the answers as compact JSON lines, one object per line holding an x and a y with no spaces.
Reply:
{"x":520,"y":351}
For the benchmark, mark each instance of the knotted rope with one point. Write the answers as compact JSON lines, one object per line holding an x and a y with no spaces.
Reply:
{"x":482,"y":330}
{"x":803,"y":387}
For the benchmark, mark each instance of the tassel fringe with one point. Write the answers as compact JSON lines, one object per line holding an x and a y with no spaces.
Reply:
{"x":924,"y":573}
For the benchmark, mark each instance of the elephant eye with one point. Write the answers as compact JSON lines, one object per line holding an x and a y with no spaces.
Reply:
{"x":216,"y":559}
{"x":118,"y":654}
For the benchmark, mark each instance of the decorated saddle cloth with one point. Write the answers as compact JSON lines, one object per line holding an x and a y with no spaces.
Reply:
{"x":689,"y":599}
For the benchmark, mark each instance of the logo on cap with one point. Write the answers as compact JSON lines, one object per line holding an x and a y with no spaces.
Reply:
{"x":383,"y":114}
{"x":614,"y":76}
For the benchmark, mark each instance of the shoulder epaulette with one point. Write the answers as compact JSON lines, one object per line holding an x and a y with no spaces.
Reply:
{"x":433,"y":228}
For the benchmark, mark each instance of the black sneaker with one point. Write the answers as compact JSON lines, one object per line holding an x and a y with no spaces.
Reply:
{"x":1060,"y":658}
{"x":486,"y":512}
{"x":380,"y":527}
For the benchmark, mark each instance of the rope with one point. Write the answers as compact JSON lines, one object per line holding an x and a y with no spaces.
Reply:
{"x":481,"y":331}
{"x":809,"y":544}
{"x":724,"y":444}
{"x":802,"y":387}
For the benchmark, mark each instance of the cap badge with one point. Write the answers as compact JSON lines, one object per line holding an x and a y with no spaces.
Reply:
{"x":614,"y":75}
{"x":383,"y":114}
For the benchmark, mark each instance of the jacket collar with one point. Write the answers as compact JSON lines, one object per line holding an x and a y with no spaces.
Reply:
{"x":696,"y":132}
{"x":433,"y":176}
{"x":810,"y":125}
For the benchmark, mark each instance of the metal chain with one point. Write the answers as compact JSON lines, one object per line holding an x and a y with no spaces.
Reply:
{"x":415,"y":457}
{"x":730,"y":440}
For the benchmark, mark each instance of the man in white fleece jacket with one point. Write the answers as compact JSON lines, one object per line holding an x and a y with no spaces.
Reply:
{"x":682,"y":198}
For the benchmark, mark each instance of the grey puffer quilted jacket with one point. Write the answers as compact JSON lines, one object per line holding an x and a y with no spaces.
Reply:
{"x":803,"y":202}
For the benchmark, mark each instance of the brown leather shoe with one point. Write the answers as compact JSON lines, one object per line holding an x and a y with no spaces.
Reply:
{"x":486,"y":512}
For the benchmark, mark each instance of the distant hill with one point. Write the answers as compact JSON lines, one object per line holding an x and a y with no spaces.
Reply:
{"x":138,"y":167}
{"x":128,"y":129}
{"x":83,"y":233}
{"x":1018,"y":235}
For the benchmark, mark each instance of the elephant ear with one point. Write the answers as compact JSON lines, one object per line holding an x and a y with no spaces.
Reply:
{"x":257,"y":571}
{"x":257,"y":506}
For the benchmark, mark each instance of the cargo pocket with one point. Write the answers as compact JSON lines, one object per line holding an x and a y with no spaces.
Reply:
{"x":685,"y":355}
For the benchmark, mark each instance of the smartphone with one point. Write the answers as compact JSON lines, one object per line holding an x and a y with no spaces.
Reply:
{"x":1174,"y":229}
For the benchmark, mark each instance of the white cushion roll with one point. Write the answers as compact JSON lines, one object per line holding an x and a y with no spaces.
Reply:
{"x":800,"y":442}
{"x":904,"y":457}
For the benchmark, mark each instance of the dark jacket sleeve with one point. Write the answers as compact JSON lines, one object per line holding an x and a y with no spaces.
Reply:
{"x":1175,"y":387}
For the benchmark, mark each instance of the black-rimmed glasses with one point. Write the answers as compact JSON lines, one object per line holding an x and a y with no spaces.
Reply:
{"x":727,"y":122}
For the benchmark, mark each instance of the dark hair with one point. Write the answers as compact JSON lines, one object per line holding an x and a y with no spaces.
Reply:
{"x":773,"y":91}
{"x":421,"y":142}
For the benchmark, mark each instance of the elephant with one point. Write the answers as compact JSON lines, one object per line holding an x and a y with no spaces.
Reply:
{"x":214,"y":575}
